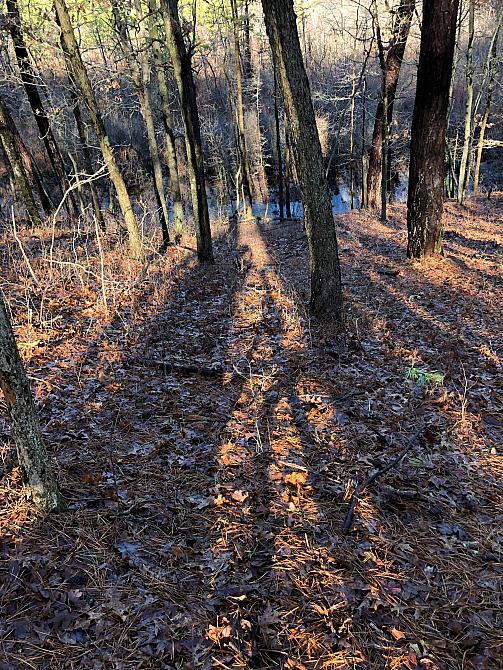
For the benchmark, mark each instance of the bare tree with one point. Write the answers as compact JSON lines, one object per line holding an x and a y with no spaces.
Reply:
{"x":31,"y":85}
{"x":79,"y":71}
{"x":21,"y":178}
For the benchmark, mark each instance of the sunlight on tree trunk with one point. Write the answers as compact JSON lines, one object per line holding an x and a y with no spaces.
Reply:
{"x":326,"y":293}
{"x":25,"y":426}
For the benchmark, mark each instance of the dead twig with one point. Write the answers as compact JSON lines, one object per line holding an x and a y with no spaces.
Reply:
{"x":348,"y":519}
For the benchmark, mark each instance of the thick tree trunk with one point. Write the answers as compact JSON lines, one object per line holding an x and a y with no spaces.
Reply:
{"x":246,"y":176}
{"x":167,"y":117}
{"x":25,"y":427}
{"x":463,"y":165}
{"x":84,"y":84}
{"x":391,"y":74}
{"x":427,"y":150}
{"x":326,"y":293}
{"x":31,"y":86}
{"x":21,"y":179}
{"x":182,"y":67}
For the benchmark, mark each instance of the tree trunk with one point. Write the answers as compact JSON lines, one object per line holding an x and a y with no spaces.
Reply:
{"x":429,"y":121}
{"x":281,"y":180}
{"x":288,"y":175}
{"x":492,"y":73}
{"x":167,"y":117}
{"x":390,"y":74}
{"x":21,"y":179}
{"x":141,"y":75}
{"x":246,"y":177}
{"x":182,"y":67}
{"x":31,"y":86}
{"x":82,"y":80}
{"x":25,"y":427}
{"x":326,"y":293}
{"x":463,"y":165}
{"x":81,"y":130}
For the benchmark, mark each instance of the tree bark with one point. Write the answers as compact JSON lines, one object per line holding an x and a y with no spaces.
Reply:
{"x":141,"y":75}
{"x":429,"y":121}
{"x":31,"y":86}
{"x":21,"y":179}
{"x":84,"y":84}
{"x":81,"y":130}
{"x":182,"y":67}
{"x":463,"y":165}
{"x":391,"y":75}
{"x":246,"y":176}
{"x":326,"y":293}
{"x":167,"y":117}
{"x":281,"y":179}
{"x":25,"y":426}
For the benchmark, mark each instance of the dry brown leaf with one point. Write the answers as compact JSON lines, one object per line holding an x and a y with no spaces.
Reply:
{"x":296,"y":478}
{"x":397,"y":634}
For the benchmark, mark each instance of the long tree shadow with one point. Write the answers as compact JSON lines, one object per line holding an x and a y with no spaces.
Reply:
{"x":381,"y":411}
{"x":116,"y":577}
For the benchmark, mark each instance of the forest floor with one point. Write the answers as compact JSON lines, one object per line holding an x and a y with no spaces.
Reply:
{"x":209,"y":437}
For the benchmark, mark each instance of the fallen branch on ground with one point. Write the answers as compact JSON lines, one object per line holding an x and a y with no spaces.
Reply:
{"x":348,"y":519}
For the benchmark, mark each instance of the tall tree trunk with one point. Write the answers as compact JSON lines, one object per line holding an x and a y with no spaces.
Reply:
{"x":88,"y":161}
{"x":326,"y":292}
{"x":167,"y":117}
{"x":25,"y":426}
{"x":288,"y":175}
{"x":390,"y":74}
{"x":21,"y":179}
{"x":246,"y":176}
{"x":281,"y":180}
{"x":429,"y":121}
{"x":182,"y":67}
{"x":247,"y":62}
{"x":82,"y":80}
{"x":31,"y":86}
{"x":141,"y":74}
{"x":493,"y":71}
{"x":463,"y":165}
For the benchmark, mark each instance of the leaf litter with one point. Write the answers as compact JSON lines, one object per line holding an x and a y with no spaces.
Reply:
{"x":203,"y":527}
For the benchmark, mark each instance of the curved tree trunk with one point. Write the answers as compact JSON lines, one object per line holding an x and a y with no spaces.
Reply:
{"x":25,"y":426}
{"x":182,"y":67}
{"x":429,"y":121}
{"x":326,"y":293}
{"x":391,"y":74}
{"x":82,"y":80}
{"x":31,"y":86}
